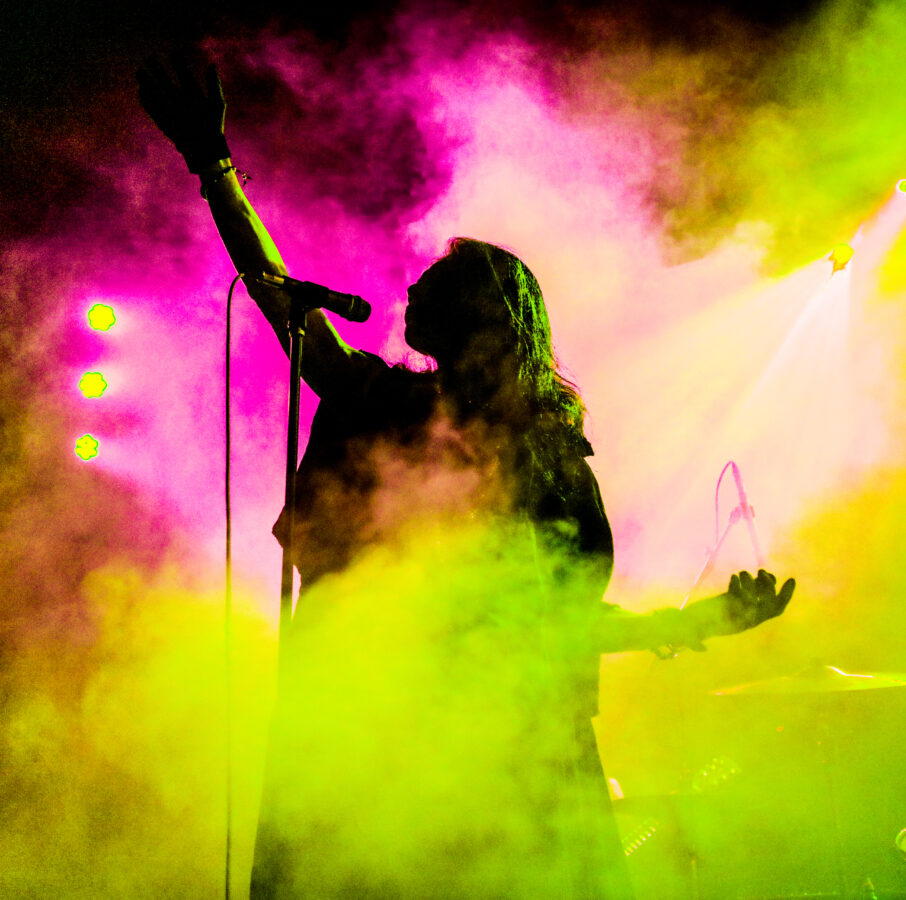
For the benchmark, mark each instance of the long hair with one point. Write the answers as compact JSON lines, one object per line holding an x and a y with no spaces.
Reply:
{"x":551,"y":414}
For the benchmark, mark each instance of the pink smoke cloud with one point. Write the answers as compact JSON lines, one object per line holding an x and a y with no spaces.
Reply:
{"x":363,"y":165}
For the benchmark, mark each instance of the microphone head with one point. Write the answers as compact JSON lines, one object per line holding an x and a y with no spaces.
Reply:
{"x":359,"y":310}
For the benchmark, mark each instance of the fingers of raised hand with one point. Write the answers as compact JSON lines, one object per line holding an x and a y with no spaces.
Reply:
{"x":185,"y":110}
{"x":786,"y":594}
{"x":153,"y":78}
{"x":159,"y":95}
{"x":751,"y":600}
{"x":207,"y":95}
{"x":766,"y":578}
{"x":769,"y":601}
{"x":764,"y":586}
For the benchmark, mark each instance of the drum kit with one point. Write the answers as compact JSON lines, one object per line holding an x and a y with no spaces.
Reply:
{"x":816,"y":691}
{"x":667,"y":812}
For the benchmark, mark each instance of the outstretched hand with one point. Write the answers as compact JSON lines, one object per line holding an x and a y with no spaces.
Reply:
{"x":191,"y":115}
{"x":751,"y":601}
{"x":748,"y":602}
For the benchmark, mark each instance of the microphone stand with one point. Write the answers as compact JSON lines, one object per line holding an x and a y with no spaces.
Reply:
{"x":303,"y":297}
{"x":300,"y":302}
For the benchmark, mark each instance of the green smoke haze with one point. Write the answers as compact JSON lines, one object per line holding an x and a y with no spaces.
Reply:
{"x":677,"y":196}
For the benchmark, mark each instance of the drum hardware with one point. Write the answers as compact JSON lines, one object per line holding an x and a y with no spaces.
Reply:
{"x":654,"y":812}
{"x":827,"y":679}
{"x":818,"y":679}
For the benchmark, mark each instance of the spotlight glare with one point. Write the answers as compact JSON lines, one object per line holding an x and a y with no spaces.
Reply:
{"x":101,"y":317}
{"x":92,"y":384}
{"x":86,"y":447}
{"x":901,"y":185}
{"x":840,"y":256}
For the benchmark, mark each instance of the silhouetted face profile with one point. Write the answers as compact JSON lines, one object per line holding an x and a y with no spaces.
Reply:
{"x":479,"y":312}
{"x":455,"y":315}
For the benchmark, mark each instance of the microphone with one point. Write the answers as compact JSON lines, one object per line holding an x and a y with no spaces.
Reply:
{"x":316,"y":296}
{"x":747,"y":512}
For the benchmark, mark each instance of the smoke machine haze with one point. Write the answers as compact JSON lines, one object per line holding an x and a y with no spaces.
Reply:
{"x":717,"y":227}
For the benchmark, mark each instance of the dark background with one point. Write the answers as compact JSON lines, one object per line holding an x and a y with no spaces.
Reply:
{"x":66,"y":69}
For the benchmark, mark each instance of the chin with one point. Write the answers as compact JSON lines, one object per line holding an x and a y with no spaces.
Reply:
{"x":415,"y":340}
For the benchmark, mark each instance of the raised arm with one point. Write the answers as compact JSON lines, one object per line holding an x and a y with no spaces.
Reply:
{"x":327,"y":361}
{"x":748,"y":602}
{"x":192,"y":117}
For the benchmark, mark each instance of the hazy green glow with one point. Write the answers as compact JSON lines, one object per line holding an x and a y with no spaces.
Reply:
{"x":412,"y":691}
{"x":435,"y":716}
{"x":92,"y":384}
{"x":86,"y":447}
{"x":101,"y":317}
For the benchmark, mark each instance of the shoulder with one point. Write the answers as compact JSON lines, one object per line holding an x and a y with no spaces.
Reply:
{"x":570,"y":503}
{"x":395,"y":383}
{"x":381,"y":398}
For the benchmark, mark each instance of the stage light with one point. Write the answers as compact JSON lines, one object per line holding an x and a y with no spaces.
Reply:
{"x":901,"y":185}
{"x":101,"y":317}
{"x":840,"y":256}
{"x":86,"y":447}
{"x":92,"y":384}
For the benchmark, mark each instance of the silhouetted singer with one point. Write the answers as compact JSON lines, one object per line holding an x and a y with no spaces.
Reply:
{"x":476,"y":467}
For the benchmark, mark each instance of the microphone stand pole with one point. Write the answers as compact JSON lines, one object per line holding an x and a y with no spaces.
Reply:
{"x":299,"y":306}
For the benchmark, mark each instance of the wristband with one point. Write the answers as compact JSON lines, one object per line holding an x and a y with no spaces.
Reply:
{"x":673,"y":631}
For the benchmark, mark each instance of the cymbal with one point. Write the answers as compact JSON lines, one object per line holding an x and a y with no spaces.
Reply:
{"x":818,"y":680}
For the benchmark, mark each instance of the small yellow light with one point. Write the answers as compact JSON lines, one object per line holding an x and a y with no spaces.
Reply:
{"x":92,"y":384}
{"x":101,"y":317}
{"x":86,"y":447}
{"x":840,"y":256}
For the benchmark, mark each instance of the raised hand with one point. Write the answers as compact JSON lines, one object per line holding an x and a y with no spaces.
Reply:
{"x":748,"y":602}
{"x":751,"y":601}
{"x":189,"y":114}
